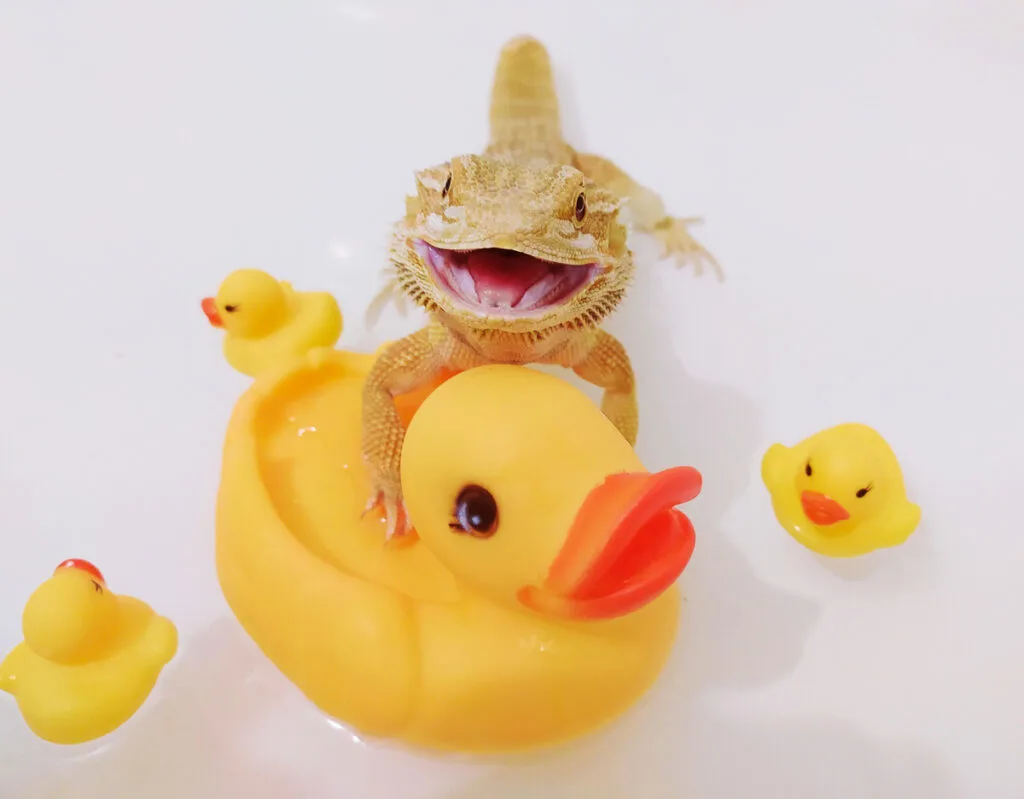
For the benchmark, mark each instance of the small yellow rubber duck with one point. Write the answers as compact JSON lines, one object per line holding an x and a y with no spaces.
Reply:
{"x":268,"y":322}
{"x":89,"y":659}
{"x":840,"y":492}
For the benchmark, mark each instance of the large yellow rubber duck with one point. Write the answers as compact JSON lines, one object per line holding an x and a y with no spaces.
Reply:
{"x":89,"y":659}
{"x":267,"y":322}
{"x":536,"y":600}
{"x":840,"y":492}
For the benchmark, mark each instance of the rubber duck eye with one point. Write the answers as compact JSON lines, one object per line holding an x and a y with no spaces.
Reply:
{"x":581,"y":206}
{"x":97,"y":587}
{"x":230,"y":308}
{"x":863,"y":492}
{"x":447,"y":186}
{"x":476,"y":512}
{"x":808,"y":470}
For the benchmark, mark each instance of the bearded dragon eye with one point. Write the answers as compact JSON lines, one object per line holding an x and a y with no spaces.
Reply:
{"x":447,"y":186}
{"x":581,"y":206}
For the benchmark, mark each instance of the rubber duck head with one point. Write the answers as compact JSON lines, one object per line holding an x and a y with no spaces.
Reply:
{"x":249,"y":304}
{"x":848,"y":478}
{"x":523,"y":488}
{"x":72,"y":617}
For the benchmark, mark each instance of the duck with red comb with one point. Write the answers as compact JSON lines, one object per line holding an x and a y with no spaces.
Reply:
{"x":90,"y":657}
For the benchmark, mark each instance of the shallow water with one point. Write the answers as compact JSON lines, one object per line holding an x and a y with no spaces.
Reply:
{"x":859,"y":169}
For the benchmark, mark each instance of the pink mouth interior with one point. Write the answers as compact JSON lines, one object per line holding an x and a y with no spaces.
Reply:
{"x":504,"y":281}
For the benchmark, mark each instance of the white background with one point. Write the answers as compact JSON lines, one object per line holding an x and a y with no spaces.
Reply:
{"x":860,"y":171}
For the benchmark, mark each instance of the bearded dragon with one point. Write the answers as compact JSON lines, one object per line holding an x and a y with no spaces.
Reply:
{"x":518,"y":254}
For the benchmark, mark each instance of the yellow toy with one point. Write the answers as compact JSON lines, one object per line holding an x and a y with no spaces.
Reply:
{"x":536,"y":601}
{"x":267,"y":322}
{"x":89,"y":659}
{"x":840,"y":492}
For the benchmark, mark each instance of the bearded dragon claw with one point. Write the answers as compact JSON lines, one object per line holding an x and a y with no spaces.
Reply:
{"x":390,"y":292}
{"x":396,"y":516}
{"x":679,"y":243}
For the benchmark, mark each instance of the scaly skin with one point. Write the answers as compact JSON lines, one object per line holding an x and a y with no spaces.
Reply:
{"x":523,"y":194}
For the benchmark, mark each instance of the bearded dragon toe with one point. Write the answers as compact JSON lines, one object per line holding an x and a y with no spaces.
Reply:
{"x":396,"y":517}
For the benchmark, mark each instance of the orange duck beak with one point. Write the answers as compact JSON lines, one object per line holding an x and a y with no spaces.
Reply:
{"x":822,"y":510}
{"x":625,"y":548}
{"x":210,"y":309}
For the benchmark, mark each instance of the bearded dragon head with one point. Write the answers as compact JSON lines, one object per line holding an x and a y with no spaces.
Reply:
{"x":499,"y":245}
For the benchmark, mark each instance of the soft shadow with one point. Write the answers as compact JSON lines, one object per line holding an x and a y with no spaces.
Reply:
{"x":888,"y":572}
{"x":850,"y":569}
{"x":738,"y":630}
{"x":706,"y":756}
{"x":191,"y":741}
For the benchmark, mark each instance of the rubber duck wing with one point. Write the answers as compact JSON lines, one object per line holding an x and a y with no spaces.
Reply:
{"x":773,"y":465}
{"x":904,"y":520}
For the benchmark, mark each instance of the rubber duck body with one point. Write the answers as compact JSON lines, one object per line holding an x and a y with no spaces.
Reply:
{"x":536,"y":600}
{"x":840,"y":492}
{"x":267,"y":322}
{"x":90,"y":658}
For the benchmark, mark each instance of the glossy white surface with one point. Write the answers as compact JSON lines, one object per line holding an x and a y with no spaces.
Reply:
{"x":859,"y":168}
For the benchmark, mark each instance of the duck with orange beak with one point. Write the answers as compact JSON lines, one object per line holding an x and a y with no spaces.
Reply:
{"x":587,"y":533}
{"x":840,"y":492}
{"x":266,"y":322}
{"x":537,"y":598}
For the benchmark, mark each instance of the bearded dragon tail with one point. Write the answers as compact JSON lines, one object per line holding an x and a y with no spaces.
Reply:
{"x":524,"y":107}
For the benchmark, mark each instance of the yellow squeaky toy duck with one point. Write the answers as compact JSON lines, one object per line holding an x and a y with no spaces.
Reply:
{"x":89,"y":659}
{"x":537,"y":600}
{"x":840,"y":492}
{"x":267,"y":322}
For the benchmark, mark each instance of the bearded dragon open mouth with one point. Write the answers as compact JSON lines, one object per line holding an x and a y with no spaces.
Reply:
{"x":496,"y":282}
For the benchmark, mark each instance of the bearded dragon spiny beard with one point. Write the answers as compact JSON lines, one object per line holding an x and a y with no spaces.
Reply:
{"x":518,"y":254}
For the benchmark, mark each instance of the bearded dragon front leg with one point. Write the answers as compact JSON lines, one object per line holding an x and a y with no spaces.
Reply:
{"x":648,"y":213}
{"x":404,"y":366}
{"x":607,"y":366}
